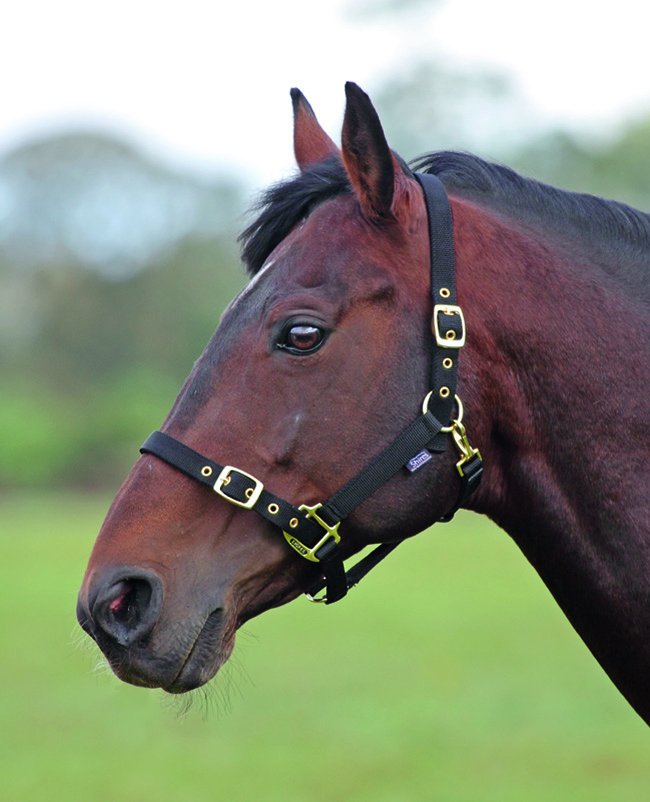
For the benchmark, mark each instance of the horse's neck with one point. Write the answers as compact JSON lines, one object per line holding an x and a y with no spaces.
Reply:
{"x":562,"y":358}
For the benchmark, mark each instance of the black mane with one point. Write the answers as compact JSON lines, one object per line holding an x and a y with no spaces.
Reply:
{"x":610,"y":233}
{"x":285,"y":204}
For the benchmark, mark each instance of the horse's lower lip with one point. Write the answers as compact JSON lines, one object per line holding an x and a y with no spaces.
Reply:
{"x":202,"y":661}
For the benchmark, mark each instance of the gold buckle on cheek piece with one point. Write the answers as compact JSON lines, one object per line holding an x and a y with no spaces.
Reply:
{"x":330,"y":532}
{"x":252,"y":493}
{"x":449,"y":340}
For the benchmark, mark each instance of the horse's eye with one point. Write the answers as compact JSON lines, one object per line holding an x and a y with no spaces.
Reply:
{"x":301,"y":338}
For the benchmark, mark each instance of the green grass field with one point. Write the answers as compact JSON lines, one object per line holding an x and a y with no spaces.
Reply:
{"x":449,"y":674}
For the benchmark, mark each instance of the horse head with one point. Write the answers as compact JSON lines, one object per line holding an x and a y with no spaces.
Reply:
{"x":317,"y":365}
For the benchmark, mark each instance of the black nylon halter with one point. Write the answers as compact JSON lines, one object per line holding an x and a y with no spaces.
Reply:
{"x":313,"y":531}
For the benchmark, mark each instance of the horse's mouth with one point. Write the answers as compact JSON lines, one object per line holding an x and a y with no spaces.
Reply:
{"x":137,"y":665}
{"x":208,"y":653}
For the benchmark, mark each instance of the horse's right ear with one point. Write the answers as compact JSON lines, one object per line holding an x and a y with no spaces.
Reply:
{"x":310,"y":143}
{"x":382,"y":187}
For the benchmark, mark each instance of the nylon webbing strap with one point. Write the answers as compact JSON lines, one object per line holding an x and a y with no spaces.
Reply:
{"x":358,"y":571}
{"x":444,"y":324}
{"x":412,"y":440}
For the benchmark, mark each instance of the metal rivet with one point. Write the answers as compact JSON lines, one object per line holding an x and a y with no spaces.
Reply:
{"x":249,"y":492}
{"x":293,"y":523}
{"x":450,"y":335}
{"x":206,"y":471}
{"x":273,"y":509}
{"x":444,"y":392}
{"x":447,"y":363}
{"x":444,"y":292}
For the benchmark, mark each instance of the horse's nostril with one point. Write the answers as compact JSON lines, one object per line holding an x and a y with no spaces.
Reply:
{"x":127,"y":608}
{"x":132,"y":597}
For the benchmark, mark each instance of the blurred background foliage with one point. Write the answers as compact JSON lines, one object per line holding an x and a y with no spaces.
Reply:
{"x":115,"y":267}
{"x":113,"y":272}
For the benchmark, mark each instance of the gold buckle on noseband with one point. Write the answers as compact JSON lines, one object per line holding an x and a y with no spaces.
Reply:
{"x":252,"y":493}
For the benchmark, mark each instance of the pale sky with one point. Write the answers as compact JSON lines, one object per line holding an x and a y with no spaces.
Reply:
{"x":207,"y":83}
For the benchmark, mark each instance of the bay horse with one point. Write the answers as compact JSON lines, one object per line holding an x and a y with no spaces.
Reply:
{"x":394,"y":321}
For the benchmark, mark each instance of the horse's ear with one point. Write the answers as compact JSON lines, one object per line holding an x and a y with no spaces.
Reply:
{"x":310,"y":143}
{"x":376,"y":176}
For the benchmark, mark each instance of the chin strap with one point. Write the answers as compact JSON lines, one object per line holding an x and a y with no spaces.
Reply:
{"x":312,"y":531}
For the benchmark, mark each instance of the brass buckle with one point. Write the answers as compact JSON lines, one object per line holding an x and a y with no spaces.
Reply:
{"x":252,"y":493}
{"x":331,"y":532}
{"x":448,"y":341}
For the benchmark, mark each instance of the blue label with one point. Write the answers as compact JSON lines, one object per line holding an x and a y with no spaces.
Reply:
{"x":418,"y":460}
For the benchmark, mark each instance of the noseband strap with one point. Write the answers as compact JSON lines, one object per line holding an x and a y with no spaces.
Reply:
{"x":313,"y":531}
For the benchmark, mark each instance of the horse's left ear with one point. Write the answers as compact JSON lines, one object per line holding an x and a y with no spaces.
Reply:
{"x":310,"y":143}
{"x":376,"y":176}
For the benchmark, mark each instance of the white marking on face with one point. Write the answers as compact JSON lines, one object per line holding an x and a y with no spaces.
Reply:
{"x":258,"y":275}
{"x":246,"y":290}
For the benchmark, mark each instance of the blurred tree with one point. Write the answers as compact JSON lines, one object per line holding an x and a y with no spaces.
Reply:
{"x":395,"y":8}
{"x":619,"y":168}
{"x":424,"y":103}
{"x":113,"y":273}
{"x":429,"y":107}
{"x":90,"y":199}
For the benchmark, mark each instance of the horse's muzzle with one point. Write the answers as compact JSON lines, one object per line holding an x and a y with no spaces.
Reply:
{"x":123,"y":612}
